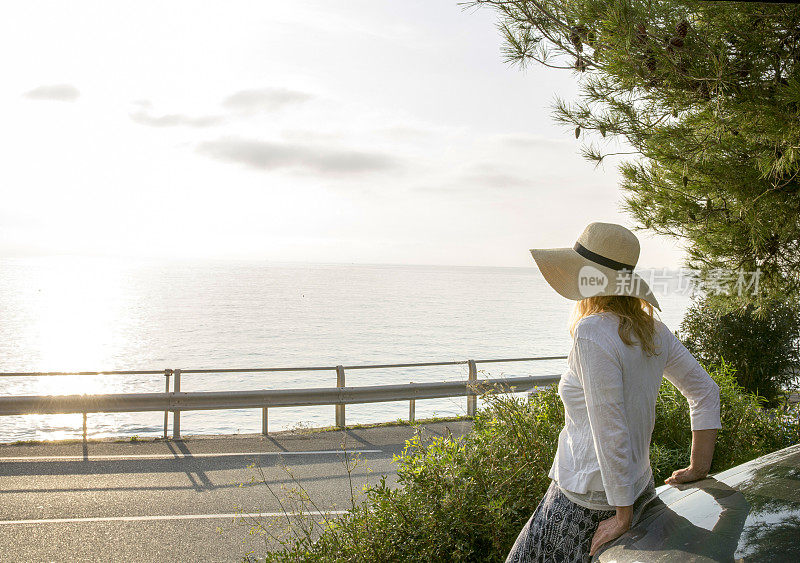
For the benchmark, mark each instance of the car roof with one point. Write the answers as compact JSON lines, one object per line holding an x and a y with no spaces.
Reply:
{"x":750,"y":512}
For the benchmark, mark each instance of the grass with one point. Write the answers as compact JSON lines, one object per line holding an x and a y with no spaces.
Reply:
{"x":398,"y":422}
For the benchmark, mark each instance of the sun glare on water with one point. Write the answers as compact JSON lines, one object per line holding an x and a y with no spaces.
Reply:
{"x":75,"y":307}
{"x":71,"y":318}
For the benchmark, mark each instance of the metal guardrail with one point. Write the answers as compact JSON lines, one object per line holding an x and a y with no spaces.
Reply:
{"x":176,"y":401}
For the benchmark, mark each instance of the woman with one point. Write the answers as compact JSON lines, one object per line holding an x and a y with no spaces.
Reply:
{"x":601,"y":476}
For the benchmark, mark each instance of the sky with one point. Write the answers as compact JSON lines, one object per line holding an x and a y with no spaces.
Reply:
{"x":362,"y":131}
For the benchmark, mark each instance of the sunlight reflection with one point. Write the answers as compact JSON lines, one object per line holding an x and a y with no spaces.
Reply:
{"x":77,"y":303}
{"x":74,"y":302}
{"x":74,"y":314}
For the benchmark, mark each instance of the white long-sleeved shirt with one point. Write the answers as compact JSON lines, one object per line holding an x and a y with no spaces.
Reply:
{"x":609,"y":393}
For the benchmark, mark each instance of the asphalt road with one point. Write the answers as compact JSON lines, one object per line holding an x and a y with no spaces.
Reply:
{"x":190,"y":500}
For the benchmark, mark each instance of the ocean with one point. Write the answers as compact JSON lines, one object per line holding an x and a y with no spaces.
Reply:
{"x":99,"y":314}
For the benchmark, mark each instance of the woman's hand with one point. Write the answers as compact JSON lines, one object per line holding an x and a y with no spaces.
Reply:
{"x":700,"y":463}
{"x":611,"y":528}
{"x":685,"y":476}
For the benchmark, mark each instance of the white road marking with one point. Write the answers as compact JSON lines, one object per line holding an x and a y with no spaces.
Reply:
{"x":165,"y":517}
{"x":176,"y":455}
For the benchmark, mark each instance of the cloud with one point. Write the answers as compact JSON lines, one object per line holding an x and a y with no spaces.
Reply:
{"x":484,"y":178}
{"x":479,"y":183}
{"x":144,"y":116}
{"x":311,"y":135}
{"x":175,"y":119}
{"x":54,"y":92}
{"x":490,"y":175}
{"x":243,"y":102}
{"x":527,"y":141}
{"x":263,"y":155}
{"x":499,"y":180}
{"x":411,"y":134}
{"x":264,"y":99}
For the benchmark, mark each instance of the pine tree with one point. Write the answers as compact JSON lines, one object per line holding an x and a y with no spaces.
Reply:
{"x":704,"y":98}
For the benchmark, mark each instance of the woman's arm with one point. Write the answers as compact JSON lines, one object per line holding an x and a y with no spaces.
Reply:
{"x":699,"y":466}
{"x":612,"y":528}
{"x":694,"y":383}
{"x":625,"y":514}
{"x":702,"y":453}
{"x":600,"y":375}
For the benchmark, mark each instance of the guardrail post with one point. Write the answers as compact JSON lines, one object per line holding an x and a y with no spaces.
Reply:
{"x":472,"y":400}
{"x":411,"y":410}
{"x":84,"y":427}
{"x":264,"y":425}
{"x":340,"y":408}
{"x":176,"y":414}
{"x":167,"y":374}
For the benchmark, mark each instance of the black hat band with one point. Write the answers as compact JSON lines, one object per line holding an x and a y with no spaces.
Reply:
{"x":602,"y":260}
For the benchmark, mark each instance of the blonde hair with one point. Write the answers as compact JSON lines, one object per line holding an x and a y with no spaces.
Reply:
{"x":635,"y":315}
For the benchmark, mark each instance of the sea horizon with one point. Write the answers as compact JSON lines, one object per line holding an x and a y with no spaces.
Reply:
{"x":154,"y":314}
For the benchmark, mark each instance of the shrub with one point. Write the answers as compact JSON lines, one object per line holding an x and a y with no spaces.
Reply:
{"x":465,"y":499}
{"x":748,"y":430}
{"x":761,"y":345}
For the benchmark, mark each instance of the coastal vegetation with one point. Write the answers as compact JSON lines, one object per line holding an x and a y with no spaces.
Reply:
{"x":466,"y":498}
{"x":763,"y":348}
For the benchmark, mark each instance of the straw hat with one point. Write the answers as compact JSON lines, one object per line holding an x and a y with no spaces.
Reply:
{"x":600,"y":263}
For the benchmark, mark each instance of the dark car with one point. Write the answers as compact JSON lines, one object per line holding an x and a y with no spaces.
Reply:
{"x":750,"y":512}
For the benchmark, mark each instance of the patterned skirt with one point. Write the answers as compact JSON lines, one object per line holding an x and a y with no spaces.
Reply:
{"x":560,"y":531}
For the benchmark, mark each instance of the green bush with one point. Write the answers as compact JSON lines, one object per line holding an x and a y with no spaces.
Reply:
{"x":465,"y":499}
{"x":748,"y":430}
{"x":763,"y":346}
